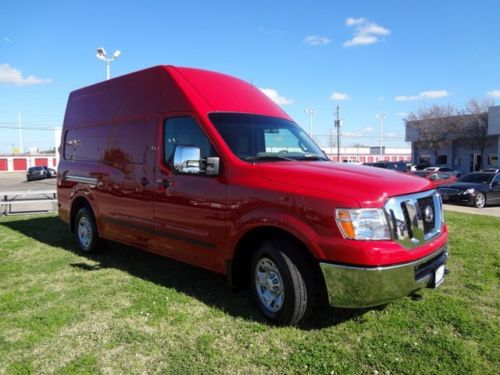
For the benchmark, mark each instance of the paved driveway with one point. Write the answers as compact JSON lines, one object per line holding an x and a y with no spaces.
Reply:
{"x":26,"y":196}
{"x":17,"y":182}
{"x":488,"y":211}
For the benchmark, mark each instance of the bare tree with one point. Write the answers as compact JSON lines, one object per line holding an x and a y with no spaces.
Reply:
{"x":475,"y":126}
{"x":433,"y":126}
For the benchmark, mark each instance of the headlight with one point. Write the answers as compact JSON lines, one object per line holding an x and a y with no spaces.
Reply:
{"x":469,"y":191}
{"x":363,"y":223}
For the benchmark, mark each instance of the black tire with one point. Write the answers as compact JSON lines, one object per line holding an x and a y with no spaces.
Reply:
{"x":290,"y":290}
{"x":86,"y":231}
{"x":480,"y":200}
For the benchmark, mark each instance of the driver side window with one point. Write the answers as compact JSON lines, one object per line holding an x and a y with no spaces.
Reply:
{"x":184,"y":131}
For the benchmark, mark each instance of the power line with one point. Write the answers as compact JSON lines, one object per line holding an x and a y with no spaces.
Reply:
{"x":27,"y":128}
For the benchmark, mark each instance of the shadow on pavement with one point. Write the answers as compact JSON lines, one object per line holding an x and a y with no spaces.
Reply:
{"x":206,"y":286}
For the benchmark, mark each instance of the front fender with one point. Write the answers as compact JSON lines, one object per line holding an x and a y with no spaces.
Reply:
{"x":279,"y":219}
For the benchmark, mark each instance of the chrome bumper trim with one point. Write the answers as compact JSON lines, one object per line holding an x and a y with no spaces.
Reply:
{"x":355,"y":287}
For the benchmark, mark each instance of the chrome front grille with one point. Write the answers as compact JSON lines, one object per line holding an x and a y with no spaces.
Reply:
{"x":415,"y":219}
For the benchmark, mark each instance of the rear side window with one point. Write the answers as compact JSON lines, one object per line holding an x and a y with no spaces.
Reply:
{"x":184,"y":131}
{"x":83,"y":144}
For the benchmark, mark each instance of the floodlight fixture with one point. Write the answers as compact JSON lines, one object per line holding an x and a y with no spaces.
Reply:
{"x":101,"y":55}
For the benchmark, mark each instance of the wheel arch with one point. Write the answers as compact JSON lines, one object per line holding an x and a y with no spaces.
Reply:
{"x":78,"y":203}
{"x":239,"y":267}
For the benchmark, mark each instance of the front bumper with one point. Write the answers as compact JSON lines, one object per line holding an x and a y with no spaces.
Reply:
{"x":357,"y":286}
{"x":463,"y":198}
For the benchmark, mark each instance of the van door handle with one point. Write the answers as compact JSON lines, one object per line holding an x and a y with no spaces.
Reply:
{"x":144,"y":181}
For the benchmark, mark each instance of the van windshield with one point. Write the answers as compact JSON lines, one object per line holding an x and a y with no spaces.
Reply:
{"x":261,"y":138}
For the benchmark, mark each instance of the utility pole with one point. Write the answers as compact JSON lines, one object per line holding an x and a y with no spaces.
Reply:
{"x":310,"y":112}
{"x":381,"y":117}
{"x":20,"y":132}
{"x":338,"y":125}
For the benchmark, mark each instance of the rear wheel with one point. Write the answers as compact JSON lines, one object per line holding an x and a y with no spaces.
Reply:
{"x":282,"y":282}
{"x":480,"y":200}
{"x":86,"y":231}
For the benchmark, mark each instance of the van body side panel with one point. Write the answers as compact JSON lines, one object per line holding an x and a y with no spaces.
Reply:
{"x":78,"y":170}
{"x":191,"y":217}
{"x":126,"y":187}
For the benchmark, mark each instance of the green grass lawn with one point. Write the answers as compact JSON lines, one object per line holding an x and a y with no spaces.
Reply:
{"x":128,"y":311}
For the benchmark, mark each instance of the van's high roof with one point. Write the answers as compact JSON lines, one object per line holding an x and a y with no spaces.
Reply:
{"x":163,"y":89}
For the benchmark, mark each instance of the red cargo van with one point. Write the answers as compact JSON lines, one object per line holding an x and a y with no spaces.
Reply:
{"x":204,"y":168}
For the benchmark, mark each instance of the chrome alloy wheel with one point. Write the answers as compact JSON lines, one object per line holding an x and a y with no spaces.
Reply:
{"x":480,"y":200}
{"x":84,"y":231}
{"x":269,"y":285}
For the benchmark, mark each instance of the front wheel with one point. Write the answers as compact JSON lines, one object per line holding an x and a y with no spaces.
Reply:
{"x":282,"y":282}
{"x":86,"y":231}
{"x":480,"y":200}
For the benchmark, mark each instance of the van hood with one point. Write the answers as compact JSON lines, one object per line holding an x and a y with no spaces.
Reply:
{"x":369,"y":186}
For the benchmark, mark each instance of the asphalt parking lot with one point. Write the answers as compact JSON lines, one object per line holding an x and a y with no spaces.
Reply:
{"x":488,"y":211}
{"x":16,"y":182}
{"x":26,"y":197}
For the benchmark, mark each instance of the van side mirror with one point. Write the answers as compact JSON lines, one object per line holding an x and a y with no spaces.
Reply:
{"x":187,"y":159}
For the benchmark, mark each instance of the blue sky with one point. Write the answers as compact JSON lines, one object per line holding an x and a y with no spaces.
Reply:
{"x":368,"y":57}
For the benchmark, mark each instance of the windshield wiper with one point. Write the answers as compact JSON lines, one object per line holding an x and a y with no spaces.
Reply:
{"x":311,"y":157}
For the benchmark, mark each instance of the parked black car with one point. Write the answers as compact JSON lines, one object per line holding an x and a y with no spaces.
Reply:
{"x":36,"y":173}
{"x":51,"y":172}
{"x":477,"y":189}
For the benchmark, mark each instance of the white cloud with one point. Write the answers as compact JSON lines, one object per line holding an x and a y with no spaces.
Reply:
{"x":435,"y":94}
{"x":354,"y":21}
{"x":367,"y":32}
{"x":12,"y":76}
{"x":391,"y":134}
{"x":402,"y":114}
{"x":276,"y":97}
{"x":358,"y":133}
{"x":316,"y":40}
{"x":494,"y":93}
{"x":6,"y":39}
{"x":339,"y":96}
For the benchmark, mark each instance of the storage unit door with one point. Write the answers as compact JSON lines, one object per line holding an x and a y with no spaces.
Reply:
{"x":3,"y":164}
{"x":20,"y":164}
{"x":40,"y":162}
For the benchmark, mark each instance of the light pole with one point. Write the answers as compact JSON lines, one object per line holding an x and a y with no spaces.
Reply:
{"x":381,"y":117}
{"x":338,"y":124}
{"x":101,"y":55}
{"x":310,"y":112}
